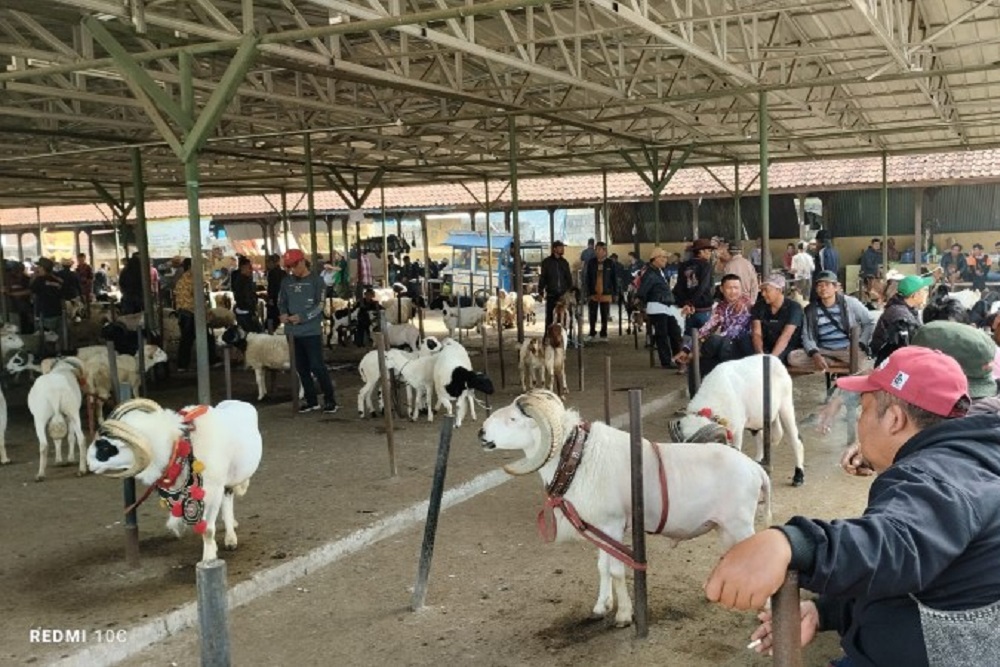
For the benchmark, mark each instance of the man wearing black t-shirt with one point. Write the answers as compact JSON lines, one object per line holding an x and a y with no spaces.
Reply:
{"x":775,"y":322}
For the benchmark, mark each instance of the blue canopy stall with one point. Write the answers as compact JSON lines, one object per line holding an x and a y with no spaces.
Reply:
{"x":472,"y":261}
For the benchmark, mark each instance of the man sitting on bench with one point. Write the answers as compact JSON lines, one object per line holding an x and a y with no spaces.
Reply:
{"x":826,"y":334}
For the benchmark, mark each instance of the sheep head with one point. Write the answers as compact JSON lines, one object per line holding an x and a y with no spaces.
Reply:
{"x":700,"y":428}
{"x":533,"y":422}
{"x":121,"y":450}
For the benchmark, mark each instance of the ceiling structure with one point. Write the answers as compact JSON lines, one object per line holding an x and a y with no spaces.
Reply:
{"x":426,"y":91}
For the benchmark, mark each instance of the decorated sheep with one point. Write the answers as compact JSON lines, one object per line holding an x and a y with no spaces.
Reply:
{"x":585,"y":468}
{"x":196,"y":459}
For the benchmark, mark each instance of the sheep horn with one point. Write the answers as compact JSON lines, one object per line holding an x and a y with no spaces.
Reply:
{"x":140,"y":404}
{"x":711,"y":432}
{"x":141,"y":452}
{"x":541,"y":406}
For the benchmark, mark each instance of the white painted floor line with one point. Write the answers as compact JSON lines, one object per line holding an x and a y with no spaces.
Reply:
{"x":143,"y":636}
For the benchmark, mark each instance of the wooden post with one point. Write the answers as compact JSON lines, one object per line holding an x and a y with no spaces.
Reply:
{"x":695,"y":364}
{"x":503,"y":370}
{"x":386,"y":399}
{"x":433,"y":511}
{"x":607,"y":389}
{"x":785,"y":623}
{"x":579,"y":344}
{"x":766,"y":430}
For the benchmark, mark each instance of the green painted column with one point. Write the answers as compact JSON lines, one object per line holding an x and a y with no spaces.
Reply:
{"x":191,"y":178}
{"x":885,"y":214}
{"x":489,"y":232}
{"x":385,"y":239}
{"x":139,"y":196}
{"x":311,"y":204}
{"x":737,"y":214}
{"x":765,"y":195}
{"x":515,"y":225}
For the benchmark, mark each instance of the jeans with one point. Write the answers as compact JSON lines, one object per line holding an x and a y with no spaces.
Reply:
{"x":697,"y":319}
{"x":309,"y":363}
{"x":667,"y":335}
{"x":605,"y":307}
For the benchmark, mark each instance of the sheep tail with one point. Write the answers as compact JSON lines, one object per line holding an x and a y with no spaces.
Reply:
{"x":58,"y":430}
{"x":240,"y":489}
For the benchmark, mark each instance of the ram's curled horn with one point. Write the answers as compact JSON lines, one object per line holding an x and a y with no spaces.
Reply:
{"x":545,"y":409}
{"x":676,"y":433}
{"x":140,"y":404}
{"x":711,"y":432}
{"x":136,"y":441}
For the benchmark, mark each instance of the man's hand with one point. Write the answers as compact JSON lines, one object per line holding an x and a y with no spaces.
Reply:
{"x":283,"y":318}
{"x":808,"y":626}
{"x":294,"y":319}
{"x":681,"y":358}
{"x":819,"y":361}
{"x":687,"y":310}
{"x":751,"y":572}
{"x":854,"y":464}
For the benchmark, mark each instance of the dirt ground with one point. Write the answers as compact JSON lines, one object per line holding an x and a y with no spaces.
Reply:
{"x":497,"y":594}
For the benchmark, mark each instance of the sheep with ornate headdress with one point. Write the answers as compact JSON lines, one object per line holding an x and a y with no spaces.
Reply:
{"x":197,"y":459}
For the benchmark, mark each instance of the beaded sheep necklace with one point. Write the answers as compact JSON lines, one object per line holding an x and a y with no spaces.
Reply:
{"x":180,"y":487}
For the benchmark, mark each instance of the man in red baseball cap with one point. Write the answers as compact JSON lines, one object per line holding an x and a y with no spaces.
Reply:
{"x":914,"y":580}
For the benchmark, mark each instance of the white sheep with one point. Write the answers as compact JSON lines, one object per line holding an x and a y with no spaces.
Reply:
{"x":399,"y":310}
{"x":198,"y":459}
{"x":531,"y":362}
{"x":3,"y":429}
{"x":469,"y":317}
{"x":402,"y":335}
{"x":394,"y":360}
{"x":454,"y":379}
{"x":731,"y":395}
{"x":707,"y":485}
{"x":261,"y":352}
{"x":54,"y":401}
{"x":418,"y":375}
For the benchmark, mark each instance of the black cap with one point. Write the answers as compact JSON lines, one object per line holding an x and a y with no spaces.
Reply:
{"x":827,"y":276}
{"x":556,"y":244}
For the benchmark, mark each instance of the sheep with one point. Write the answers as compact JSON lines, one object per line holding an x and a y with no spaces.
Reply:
{"x":220,"y":318}
{"x":706,"y":485}
{"x":455,"y":379}
{"x":966,"y":297}
{"x":200,"y":455}
{"x":531,"y":361}
{"x":261,"y":352}
{"x":54,"y":401}
{"x":402,"y":335}
{"x":22,"y":362}
{"x":554,"y":350}
{"x":468,"y":317}
{"x":399,"y":310}
{"x":394,"y":360}
{"x":222,"y":299}
{"x":730,"y":395}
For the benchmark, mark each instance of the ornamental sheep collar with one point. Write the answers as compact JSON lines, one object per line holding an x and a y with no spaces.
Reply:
{"x":180,"y":487}
{"x":569,"y":460}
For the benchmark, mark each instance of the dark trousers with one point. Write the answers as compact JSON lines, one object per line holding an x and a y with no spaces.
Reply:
{"x":550,"y":305}
{"x":667,"y":336}
{"x":185,"y":320}
{"x":715,"y":350}
{"x":605,"y":313}
{"x":249,"y":322}
{"x":309,"y":364}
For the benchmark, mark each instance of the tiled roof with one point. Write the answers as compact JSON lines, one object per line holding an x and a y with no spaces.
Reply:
{"x":909,"y":170}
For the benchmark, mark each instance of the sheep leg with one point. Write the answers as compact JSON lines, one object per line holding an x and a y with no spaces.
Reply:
{"x":229,"y":520}
{"x":57,"y":443}
{"x":365,"y":399}
{"x":261,"y":383}
{"x":3,"y":451}
{"x":90,"y":417}
{"x":786,"y":417}
{"x":461,"y":408}
{"x":43,"y":450}
{"x":471,"y":396}
{"x":213,"y":503}
{"x":605,"y":598}
{"x":623,"y":617}
{"x":76,"y":431}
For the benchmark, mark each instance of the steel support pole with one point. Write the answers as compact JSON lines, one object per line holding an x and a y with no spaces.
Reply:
{"x":311,"y":203}
{"x":20,"y":247}
{"x":191,"y":177}
{"x":604,"y":206}
{"x":385,"y":239}
{"x":489,"y":235}
{"x":786,"y":623}
{"x":657,"y":189}
{"x":213,"y":613}
{"x":765,"y":202}
{"x":284,"y":216}
{"x":139,"y":196}
{"x":737,"y":214}
{"x":885,"y":213}
{"x":427,"y":258}
{"x":641,"y":607}
{"x":918,"y":230}
{"x":518,"y":273}
{"x":433,"y":512}
{"x":552,"y":226}
{"x":3,"y":286}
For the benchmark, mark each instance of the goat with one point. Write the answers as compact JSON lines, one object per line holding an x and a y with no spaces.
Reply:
{"x":706,"y":485}
{"x":730,"y":395}
{"x":198,"y":458}
{"x":531,"y":361}
{"x":454,"y":379}
{"x":54,"y":401}
{"x":554,"y":345}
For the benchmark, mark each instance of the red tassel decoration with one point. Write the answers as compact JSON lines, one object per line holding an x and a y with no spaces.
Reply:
{"x":706,"y":413}
{"x":197,"y":493}
{"x":177,"y":510}
{"x":201,"y":527}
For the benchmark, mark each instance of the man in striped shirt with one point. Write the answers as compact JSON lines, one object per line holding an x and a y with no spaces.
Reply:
{"x":826,"y":335}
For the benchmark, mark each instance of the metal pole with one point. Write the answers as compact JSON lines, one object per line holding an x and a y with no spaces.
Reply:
{"x":607,"y":389}
{"x":121,"y":393}
{"x":141,"y":359}
{"x":918,"y":232}
{"x":489,"y":234}
{"x":785,"y":623}
{"x":311,"y":203}
{"x":503,"y":370}
{"x":433,"y":511}
{"x":213,"y":613}
{"x":638,"y":511}
{"x":3,"y":283}
{"x":198,"y":271}
{"x":284,"y":216}
{"x":765,"y":202}
{"x":766,"y":431}
{"x":604,"y":206}
{"x":695,"y":366}
{"x":139,"y":196}
{"x":515,"y":221}
{"x":385,"y":239}
{"x":425,"y":288}
{"x":579,"y":344}
{"x":226,"y":361}
{"x":386,"y":397}
{"x":737,"y":215}
{"x":855,"y":351}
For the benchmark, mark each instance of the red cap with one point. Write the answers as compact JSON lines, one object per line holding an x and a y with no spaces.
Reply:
{"x":917,"y":375}
{"x":292,"y":257}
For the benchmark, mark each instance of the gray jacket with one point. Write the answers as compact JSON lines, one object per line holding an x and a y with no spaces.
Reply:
{"x":857,"y":314}
{"x":302,"y":297}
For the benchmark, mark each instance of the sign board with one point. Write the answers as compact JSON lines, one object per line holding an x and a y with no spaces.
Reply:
{"x":172,"y":236}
